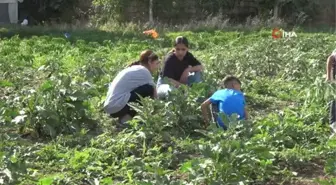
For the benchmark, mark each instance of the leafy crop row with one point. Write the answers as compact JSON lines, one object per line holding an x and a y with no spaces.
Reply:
{"x":55,"y":132}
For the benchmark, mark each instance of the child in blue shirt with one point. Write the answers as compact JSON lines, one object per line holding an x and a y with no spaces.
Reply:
{"x":228,"y":101}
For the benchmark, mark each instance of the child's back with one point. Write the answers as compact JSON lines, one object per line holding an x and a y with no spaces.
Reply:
{"x":228,"y":101}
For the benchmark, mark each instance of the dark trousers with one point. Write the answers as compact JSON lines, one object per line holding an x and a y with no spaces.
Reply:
{"x":332,"y":112}
{"x":143,"y":91}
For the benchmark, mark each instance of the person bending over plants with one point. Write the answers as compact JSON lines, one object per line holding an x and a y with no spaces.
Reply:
{"x":331,"y":66}
{"x":229,"y":100}
{"x":180,"y":67}
{"x":135,"y":80}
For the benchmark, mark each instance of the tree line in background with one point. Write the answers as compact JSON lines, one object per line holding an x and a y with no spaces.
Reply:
{"x":177,"y":11}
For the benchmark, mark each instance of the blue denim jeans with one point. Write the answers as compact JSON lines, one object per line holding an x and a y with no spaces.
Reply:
{"x":195,"y":77}
{"x":163,"y":88}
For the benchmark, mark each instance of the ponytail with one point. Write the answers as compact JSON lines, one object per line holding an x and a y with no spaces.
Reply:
{"x":145,"y":57}
{"x":134,"y":63}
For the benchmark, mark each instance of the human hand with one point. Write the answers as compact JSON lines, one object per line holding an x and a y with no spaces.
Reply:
{"x":189,"y":68}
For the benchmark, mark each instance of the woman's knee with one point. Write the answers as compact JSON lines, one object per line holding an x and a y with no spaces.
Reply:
{"x":146,"y":90}
{"x":195,"y":78}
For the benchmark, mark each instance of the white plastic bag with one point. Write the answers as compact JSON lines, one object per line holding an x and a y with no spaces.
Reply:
{"x":163,"y":90}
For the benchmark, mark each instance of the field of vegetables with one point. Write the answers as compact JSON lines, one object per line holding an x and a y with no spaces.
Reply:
{"x":53,"y":129}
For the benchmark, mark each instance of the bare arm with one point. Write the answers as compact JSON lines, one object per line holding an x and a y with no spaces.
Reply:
{"x":185,"y":74}
{"x":196,"y":68}
{"x":329,"y":67}
{"x":176,"y":83}
{"x":205,"y":110}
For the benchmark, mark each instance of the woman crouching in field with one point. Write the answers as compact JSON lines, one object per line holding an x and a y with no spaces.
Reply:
{"x":135,"y":80}
{"x":178,"y":68}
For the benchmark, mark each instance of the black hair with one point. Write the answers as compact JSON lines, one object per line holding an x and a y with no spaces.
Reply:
{"x":181,"y":40}
{"x":230,"y":78}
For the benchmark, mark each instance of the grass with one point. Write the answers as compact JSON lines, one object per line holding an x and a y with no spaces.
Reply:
{"x":54,"y":131}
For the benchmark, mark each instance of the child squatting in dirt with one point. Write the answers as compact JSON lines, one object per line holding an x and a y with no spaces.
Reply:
{"x":229,"y":100}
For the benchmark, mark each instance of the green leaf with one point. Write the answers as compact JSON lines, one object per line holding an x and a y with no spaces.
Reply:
{"x":6,"y":83}
{"x":46,"y":181}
